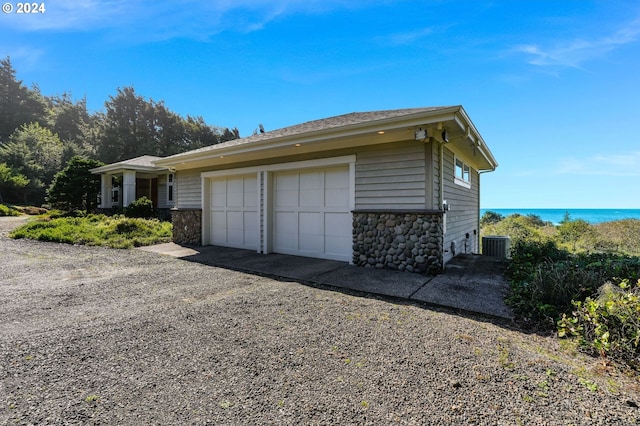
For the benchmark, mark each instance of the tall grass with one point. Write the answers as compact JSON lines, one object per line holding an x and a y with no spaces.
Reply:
{"x":97,"y":230}
{"x":579,"y":279}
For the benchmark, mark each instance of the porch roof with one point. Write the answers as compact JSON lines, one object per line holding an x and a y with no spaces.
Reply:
{"x":143,"y":164}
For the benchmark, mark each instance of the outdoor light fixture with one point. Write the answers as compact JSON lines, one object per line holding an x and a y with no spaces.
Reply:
{"x":445,"y":136}
{"x":421,"y":135}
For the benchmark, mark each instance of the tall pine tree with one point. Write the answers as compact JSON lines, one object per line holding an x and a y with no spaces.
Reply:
{"x":18,"y":104}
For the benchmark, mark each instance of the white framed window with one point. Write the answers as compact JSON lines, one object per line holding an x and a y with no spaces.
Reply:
{"x":115,"y":194}
{"x":462,"y":173}
{"x":170,"y":187}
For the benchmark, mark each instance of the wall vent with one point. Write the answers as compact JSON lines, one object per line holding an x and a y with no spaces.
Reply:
{"x":496,"y":246}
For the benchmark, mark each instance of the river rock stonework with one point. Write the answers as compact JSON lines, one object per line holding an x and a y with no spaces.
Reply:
{"x":402,"y":241}
{"x":187,"y":227}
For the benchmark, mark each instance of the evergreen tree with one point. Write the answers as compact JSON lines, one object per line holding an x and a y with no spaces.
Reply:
{"x":170,"y":132}
{"x":18,"y":104}
{"x":11,"y":182}
{"x":75,"y":187}
{"x":230,"y":134}
{"x":127,"y":129}
{"x":68,"y":119}
{"x":36,"y":153}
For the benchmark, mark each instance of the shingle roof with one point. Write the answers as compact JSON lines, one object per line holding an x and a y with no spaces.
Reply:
{"x":335,"y":122}
{"x":145,"y":162}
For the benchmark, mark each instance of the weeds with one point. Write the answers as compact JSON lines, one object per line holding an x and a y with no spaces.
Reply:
{"x":97,"y":230}
{"x":6,"y":210}
{"x":594,"y":297}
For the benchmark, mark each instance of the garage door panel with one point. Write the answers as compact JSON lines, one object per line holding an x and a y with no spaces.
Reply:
{"x":311,"y":211}
{"x":311,"y":197}
{"x":287,"y":236}
{"x":338,"y":247}
{"x":311,"y":189}
{"x":337,"y":223}
{"x":235,"y":221}
{"x":218,"y":193}
{"x":311,"y":245}
{"x":234,"y":215}
{"x":235,"y":192}
{"x":218,"y":227}
{"x":337,"y":178}
{"x":251,"y":232}
{"x":337,"y":197}
{"x":250,"y":199}
{"x":311,"y":223}
{"x":337,"y":188}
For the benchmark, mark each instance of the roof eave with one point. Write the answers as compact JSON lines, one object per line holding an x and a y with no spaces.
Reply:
{"x":109,"y":168}
{"x":416,"y":119}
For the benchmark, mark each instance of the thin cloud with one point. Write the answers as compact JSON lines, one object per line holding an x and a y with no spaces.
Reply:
{"x":73,"y":15}
{"x":165,"y":20}
{"x":26,"y":56}
{"x":602,"y":165}
{"x":400,"y":39}
{"x":572,"y":54}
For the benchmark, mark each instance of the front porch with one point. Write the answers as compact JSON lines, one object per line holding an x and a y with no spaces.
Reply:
{"x":126,"y":181}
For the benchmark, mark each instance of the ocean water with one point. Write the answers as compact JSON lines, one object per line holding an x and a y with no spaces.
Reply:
{"x":592,"y":216}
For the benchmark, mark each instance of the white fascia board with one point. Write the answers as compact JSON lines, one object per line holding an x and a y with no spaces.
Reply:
{"x":321,"y":162}
{"x":462,"y":116}
{"x":119,"y":168}
{"x":417,"y":119}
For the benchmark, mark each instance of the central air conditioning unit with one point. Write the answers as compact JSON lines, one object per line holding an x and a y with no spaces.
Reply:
{"x":496,"y":246}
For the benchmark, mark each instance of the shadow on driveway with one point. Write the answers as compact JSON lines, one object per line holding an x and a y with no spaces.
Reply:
{"x":471,"y":283}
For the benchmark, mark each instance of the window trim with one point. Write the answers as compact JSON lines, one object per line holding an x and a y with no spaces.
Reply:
{"x":464,"y":177}
{"x":171,"y":189}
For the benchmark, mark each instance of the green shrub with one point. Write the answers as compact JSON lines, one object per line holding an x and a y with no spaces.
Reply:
{"x":8,"y":211}
{"x":609,"y":324}
{"x":545,"y":280}
{"x":518,"y":227}
{"x":142,"y":208}
{"x":490,"y":218}
{"x":97,"y":230}
{"x":622,"y":236}
{"x":575,"y":234}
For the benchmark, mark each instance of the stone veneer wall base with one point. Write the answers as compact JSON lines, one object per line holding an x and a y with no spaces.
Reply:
{"x":187,"y":226}
{"x":405,"y":241}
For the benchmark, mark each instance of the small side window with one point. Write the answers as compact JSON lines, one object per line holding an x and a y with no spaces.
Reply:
{"x":170,"y":185}
{"x":462,"y":173}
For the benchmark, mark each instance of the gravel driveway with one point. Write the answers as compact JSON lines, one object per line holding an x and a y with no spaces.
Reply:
{"x":102,"y":336}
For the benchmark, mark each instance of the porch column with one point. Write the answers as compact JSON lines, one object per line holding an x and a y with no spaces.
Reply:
{"x":128,"y":187}
{"x":105,"y":191}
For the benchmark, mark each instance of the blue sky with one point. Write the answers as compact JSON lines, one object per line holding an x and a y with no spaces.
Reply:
{"x":553,"y":86}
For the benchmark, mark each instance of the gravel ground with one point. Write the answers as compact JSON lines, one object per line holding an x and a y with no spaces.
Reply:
{"x":101,"y":336}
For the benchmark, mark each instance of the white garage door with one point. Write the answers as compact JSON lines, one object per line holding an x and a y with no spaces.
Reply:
{"x":234,"y":212}
{"x":311,"y":213}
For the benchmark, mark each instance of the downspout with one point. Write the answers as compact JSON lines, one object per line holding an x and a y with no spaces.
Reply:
{"x":441,"y":198}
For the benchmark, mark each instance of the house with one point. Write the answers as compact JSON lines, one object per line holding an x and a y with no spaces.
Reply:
{"x":123,"y":182}
{"x":395,"y":189}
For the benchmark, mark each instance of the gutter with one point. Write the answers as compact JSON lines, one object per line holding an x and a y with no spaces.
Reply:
{"x":303,"y":137}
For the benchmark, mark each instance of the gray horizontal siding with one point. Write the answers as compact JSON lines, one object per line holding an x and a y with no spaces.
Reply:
{"x":434,"y":152}
{"x":391,"y":177}
{"x":462,"y":217}
{"x":162,"y":192}
{"x":188,"y":189}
